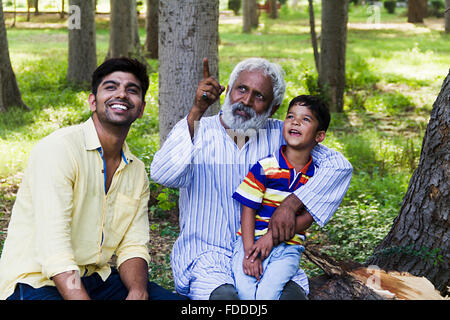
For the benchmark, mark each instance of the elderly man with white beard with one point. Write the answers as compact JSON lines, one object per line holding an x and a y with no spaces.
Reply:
{"x":208,"y":157}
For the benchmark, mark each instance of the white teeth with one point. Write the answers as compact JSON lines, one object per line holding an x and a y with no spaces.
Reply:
{"x":119,"y":106}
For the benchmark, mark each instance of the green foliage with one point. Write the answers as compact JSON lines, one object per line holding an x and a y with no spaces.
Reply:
{"x":390,"y":5}
{"x":234,"y":5}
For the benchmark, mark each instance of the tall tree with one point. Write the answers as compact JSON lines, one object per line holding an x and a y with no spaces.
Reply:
{"x":254,"y":14}
{"x":246,"y":17}
{"x":188,"y":32}
{"x":273,"y":7}
{"x":419,"y":241}
{"x":333,"y":44}
{"x":124,"y":33}
{"x":9,"y":90}
{"x":447,"y":16}
{"x":417,"y":10}
{"x":82,"y":44}
{"x":151,"y":28}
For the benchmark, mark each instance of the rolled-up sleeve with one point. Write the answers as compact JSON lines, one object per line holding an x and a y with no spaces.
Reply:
{"x":171,"y":165}
{"x":323,"y":193}
{"x":51,"y":182}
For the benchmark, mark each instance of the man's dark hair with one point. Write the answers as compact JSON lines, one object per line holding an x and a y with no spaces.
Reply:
{"x":317,"y":107}
{"x":121,"y":64}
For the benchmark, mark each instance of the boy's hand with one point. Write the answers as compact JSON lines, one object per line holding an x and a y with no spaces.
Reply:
{"x":253,"y":268}
{"x":262,"y":247}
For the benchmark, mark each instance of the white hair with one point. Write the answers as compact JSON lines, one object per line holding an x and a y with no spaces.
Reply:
{"x":273,"y":70}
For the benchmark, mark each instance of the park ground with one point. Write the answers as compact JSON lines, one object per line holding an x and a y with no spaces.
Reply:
{"x":394,"y":73}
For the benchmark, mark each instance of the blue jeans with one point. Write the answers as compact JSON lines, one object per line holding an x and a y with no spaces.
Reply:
{"x":110,"y":289}
{"x":278,"y":268}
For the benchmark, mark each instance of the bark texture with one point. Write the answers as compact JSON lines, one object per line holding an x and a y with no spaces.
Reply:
{"x":188,"y":32}
{"x":124,"y":36}
{"x":151,"y":27}
{"x":419,"y":241}
{"x":82,"y":44}
{"x":417,"y":10}
{"x":9,"y":90}
{"x":333,"y":43}
{"x":246,"y":16}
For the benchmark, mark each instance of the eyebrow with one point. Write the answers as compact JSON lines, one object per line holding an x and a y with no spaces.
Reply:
{"x":129,"y":84}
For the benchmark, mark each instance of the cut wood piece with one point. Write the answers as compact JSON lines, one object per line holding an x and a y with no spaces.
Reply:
{"x":351,"y":281}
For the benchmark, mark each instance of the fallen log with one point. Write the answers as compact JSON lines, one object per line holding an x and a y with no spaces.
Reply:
{"x":353,"y":281}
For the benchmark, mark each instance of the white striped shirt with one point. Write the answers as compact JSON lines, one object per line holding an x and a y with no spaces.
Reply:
{"x":211,"y":167}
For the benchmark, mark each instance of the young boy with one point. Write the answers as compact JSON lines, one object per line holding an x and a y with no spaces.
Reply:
{"x":260,"y":270}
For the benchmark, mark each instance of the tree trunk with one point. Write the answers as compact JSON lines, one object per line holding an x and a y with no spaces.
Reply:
{"x":28,"y":10}
{"x":36,"y":7}
{"x":254,"y":14}
{"x":447,"y":16}
{"x":273,"y":9}
{"x":9,"y":91}
{"x":61,"y":14}
{"x":246,"y":17}
{"x":419,"y":241}
{"x":312,"y":26}
{"x":332,"y":52}
{"x":417,"y":10}
{"x":151,"y":28}
{"x":82,"y":44}
{"x":188,"y":32}
{"x":124,"y":33}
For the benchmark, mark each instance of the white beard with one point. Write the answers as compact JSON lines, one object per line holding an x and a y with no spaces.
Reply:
{"x":237,"y":122}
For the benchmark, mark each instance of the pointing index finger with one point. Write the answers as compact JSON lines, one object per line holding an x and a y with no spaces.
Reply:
{"x":206,"y":73}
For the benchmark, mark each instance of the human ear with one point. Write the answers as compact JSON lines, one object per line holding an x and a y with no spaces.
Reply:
{"x":142,"y":110}
{"x":92,"y":102}
{"x":320,"y":136}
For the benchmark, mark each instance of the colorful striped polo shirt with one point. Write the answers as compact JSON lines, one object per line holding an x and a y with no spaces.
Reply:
{"x":267,"y":184}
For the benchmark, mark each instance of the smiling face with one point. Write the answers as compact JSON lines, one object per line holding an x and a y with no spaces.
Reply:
{"x":118,"y":100}
{"x":300,"y":128}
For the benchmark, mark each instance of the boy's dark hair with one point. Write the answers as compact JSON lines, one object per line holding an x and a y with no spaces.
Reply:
{"x":121,"y":64}
{"x":317,"y":107}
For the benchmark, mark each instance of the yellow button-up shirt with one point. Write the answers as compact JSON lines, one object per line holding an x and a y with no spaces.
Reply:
{"x":63,"y":220}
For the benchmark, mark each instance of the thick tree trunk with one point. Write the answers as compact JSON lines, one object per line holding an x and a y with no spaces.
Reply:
{"x":9,"y":91}
{"x":246,"y":16}
{"x":447,"y":16}
{"x":82,"y":44}
{"x":419,"y":241}
{"x":151,"y":28}
{"x":332,"y":52}
{"x":417,"y":10}
{"x":188,"y":32}
{"x":254,"y":14}
{"x":124,"y":33}
{"x":273,"y":9}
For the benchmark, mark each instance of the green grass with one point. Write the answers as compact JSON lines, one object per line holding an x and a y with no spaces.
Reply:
{"x":394,"y":74}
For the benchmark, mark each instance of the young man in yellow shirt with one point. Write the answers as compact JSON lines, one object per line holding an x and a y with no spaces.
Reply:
{"x":84,"y":198}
